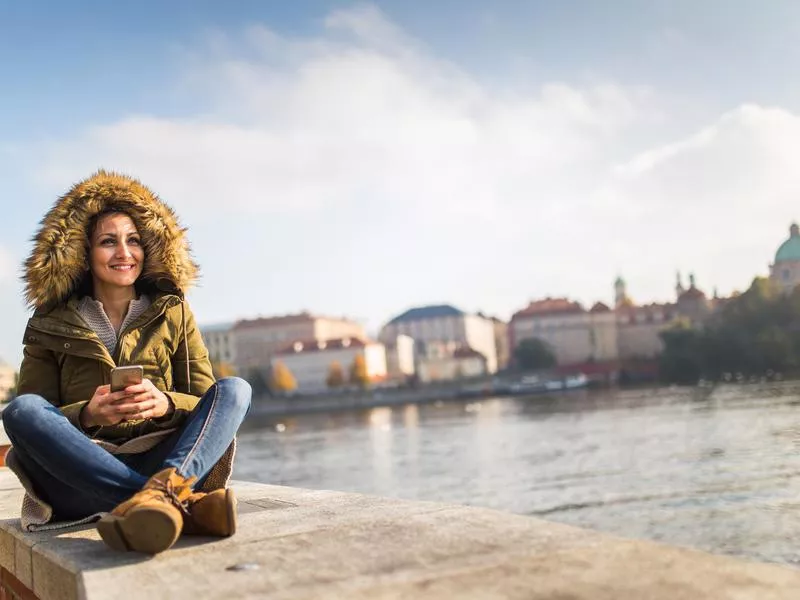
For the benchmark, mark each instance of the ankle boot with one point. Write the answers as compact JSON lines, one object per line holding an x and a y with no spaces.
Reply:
{"x":152,"y":519}
{"x":212,"y":514}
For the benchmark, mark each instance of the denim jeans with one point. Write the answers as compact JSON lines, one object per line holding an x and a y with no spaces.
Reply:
{"x":79,"y":478}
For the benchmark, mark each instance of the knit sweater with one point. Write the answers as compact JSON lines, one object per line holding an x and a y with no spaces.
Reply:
{"x":95,"y":316}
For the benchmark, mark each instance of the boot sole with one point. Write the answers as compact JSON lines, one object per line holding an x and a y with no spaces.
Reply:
{"x":145,"y":530}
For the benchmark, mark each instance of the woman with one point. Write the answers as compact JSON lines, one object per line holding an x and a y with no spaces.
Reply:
{"x":107,"y":277}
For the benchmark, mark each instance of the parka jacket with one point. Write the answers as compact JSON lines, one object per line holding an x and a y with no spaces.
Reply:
{"x":64,"y":360}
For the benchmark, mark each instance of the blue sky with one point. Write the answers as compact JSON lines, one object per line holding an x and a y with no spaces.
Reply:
{"x":362,"y":158}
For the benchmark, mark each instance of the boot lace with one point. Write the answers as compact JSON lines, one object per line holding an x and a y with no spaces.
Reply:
{"x":171,"y":495}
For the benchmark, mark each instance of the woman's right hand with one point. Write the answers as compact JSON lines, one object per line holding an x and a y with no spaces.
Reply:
{"x":102,"y":408}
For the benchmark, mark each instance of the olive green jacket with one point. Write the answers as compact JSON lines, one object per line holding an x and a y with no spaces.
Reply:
{"x":65,"y":361}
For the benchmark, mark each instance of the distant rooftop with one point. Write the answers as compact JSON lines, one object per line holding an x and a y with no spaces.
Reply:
{"x":549,"y":306}
{"x":428,"y":312}
{"x":303,"y":317}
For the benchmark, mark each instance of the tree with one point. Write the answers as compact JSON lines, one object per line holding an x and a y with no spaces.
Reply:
{"x":358,"y":372}
{"x":753,"y":334}
{"x":533,"y":354}
{"x":682,"y":360}
{"x":258,"y":382}
{"x":335,"y":377}
{"x":282,"y":380}
{"x":222,"y":369}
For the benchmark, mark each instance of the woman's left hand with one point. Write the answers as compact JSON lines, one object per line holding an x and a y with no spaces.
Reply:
{"x":145,"y":401}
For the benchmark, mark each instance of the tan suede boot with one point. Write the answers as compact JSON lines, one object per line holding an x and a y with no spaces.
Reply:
{"x":213,"y":513}
{"x":152,"y":519}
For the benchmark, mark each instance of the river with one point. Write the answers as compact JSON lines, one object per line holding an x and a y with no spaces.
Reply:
{"x":716,"y":470}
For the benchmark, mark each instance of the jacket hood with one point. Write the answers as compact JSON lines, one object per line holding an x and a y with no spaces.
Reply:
{"x":57,"y":265}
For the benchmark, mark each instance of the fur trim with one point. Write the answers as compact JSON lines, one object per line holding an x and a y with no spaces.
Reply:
{"x":58,"y":262}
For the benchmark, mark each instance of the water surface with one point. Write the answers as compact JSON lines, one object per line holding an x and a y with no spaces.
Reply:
{"x":717,"y":470}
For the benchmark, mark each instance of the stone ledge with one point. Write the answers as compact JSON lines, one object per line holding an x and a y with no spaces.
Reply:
{"x":295,"y":543}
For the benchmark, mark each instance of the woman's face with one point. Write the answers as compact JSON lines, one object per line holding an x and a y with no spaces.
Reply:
{"x":116,"y":257}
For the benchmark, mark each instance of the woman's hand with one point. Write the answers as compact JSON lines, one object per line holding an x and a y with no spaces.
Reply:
{"x":102,"y":409}
{"x":144,"y":401}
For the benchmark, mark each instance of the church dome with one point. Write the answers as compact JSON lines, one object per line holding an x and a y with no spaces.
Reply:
{"x":790,"y":249}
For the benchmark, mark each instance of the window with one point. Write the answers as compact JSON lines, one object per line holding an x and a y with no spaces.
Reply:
{"x":786,"y":274}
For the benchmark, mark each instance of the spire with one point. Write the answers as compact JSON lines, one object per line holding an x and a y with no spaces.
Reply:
{"x":678,"y":284}
{"x":691,"y":281}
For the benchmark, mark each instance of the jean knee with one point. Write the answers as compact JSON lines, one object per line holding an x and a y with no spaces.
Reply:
{"x":21,"y":410}
{"x":237,"y":394}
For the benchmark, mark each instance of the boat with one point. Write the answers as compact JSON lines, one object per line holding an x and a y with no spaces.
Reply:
{"x":532,"y":384}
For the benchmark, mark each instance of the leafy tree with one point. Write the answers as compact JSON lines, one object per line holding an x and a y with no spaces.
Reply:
{"x":258,"y":382}
{"x":282,"y":380}
{"x":683,"y":361}
{"x":358,"y":372}
{"x":752,"y":334}
{"x":335,"y":377}
{"x":533,"y":354}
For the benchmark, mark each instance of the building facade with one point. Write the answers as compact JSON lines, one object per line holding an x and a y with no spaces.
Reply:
{"x":445,"y":323}
{"x":220,"y":342}
{"x":257,"y":340}
{"x":400,"y":359}
{"x":575,"y":335}
{"x":447,"y":361}
{"x":310,"y":361}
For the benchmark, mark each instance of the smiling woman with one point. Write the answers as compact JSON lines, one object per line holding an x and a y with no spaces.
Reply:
{"x":107,"y":278}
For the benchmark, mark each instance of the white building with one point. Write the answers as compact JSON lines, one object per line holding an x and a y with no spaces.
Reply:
{"x":310,"y":361}
{"x":7,"y":379}
{"x":400,"y":358}
{"x":220,"y":342}
{"x":445,"y":361}
{"x":445,"y":323}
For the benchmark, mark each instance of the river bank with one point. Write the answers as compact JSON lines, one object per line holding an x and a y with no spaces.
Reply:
{"x":268,"y":406}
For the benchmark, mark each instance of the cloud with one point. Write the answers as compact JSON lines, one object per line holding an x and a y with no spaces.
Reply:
{"x":719,"y":201}
{"x":362,"y":115}
{"x":362,"y":152}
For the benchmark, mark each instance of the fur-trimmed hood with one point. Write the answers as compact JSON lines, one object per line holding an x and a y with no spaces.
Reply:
{"x":58,"y":262}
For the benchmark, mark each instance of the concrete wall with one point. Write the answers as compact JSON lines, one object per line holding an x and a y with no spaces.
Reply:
{"x":294,"y":543}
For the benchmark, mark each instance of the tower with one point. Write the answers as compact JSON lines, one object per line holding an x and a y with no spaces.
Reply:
{"x":678,"y":285}
{"x":620,"y":292}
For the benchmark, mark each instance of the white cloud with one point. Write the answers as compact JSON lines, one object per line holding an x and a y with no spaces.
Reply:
{"x":360,"y":116}
{"x":440,"y":186}
{"x":719,"y":201}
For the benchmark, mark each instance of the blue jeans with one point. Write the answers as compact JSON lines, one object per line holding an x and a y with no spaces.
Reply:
{"x":79,"y":478}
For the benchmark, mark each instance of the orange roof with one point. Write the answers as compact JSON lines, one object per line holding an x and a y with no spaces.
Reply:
{"x":548,"y":306}
{"x":599,"y":307}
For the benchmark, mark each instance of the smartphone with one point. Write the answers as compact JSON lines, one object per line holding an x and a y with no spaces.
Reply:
{"x":122,"y":377}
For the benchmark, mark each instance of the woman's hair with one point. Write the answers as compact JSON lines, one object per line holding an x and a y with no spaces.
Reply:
{"x":85,"y":287}
{"x":91,"y":226}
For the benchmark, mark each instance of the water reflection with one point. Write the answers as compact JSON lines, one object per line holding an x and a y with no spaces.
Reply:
{"x":716,"y":470}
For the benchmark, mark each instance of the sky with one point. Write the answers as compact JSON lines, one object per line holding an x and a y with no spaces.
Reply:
{"x":359,"y":159}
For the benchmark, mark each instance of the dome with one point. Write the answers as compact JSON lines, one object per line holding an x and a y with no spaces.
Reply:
{"x":790,"y":249}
